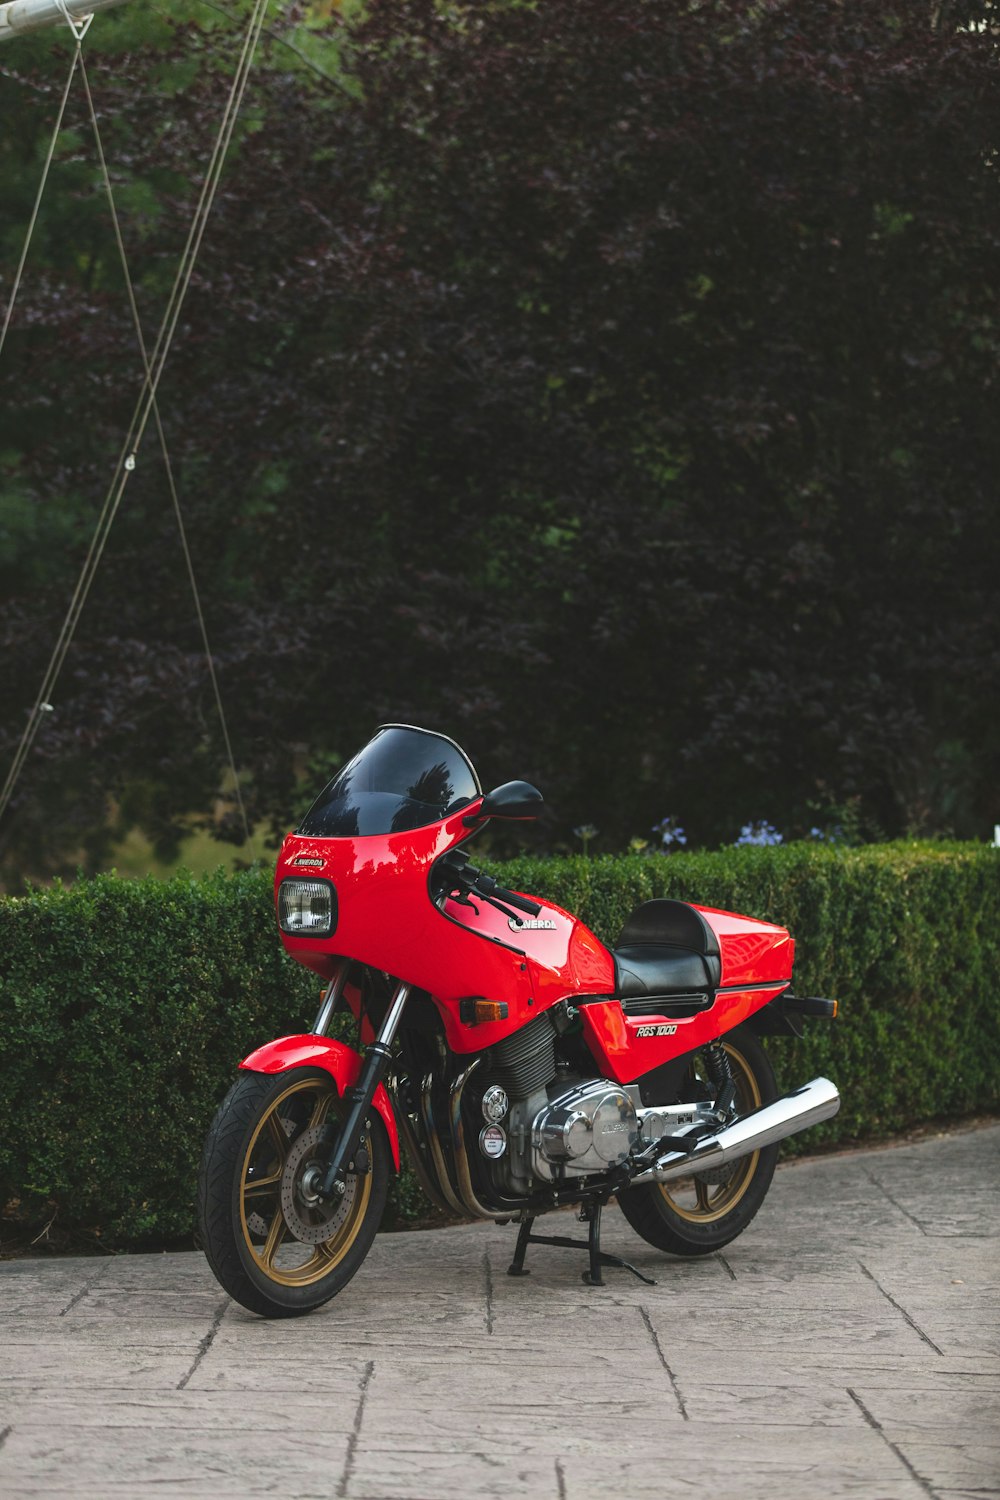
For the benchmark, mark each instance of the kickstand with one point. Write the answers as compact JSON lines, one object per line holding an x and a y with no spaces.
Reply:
{"x":516,"y":1267}
{"x":590,"y":1215}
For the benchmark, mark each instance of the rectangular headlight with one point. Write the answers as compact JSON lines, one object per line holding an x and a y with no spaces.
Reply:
{"x":306,"y":907}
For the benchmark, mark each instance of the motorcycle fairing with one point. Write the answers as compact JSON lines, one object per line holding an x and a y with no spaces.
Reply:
{"x":627,"y":1047}
{"x":388,"y":920}
{"x":755,"y":966}
{"x":564,"y":959}
{"x":390,"y":917}
{"x":753,"y":952}
{"x":334,"y":1057}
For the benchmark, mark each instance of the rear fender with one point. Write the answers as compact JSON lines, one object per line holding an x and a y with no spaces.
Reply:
{"x":341,"y":1062}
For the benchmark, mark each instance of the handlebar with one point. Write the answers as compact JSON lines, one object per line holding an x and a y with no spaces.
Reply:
{"x":521,"y":902}
{"x":473,"y":881}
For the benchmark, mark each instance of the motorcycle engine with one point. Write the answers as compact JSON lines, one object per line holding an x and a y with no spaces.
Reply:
{"x":585,"y":1129}
{"x":552,"y":1125}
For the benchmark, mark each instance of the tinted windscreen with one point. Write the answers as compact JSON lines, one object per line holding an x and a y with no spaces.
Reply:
{"x":403,"y":778}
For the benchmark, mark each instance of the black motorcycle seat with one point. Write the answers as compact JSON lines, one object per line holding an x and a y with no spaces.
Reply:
{"x":666,"y":949}
{"x":646,"y":969}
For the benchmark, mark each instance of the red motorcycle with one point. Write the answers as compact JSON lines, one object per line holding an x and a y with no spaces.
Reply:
{"x":528,"y":1066}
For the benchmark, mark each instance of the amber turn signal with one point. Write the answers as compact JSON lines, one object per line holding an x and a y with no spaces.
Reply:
{"x":490,"y":1010}
{"x":477,"y":1012}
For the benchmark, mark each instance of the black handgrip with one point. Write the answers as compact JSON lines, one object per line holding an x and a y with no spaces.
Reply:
{"x":487,"y":887}
{"x":513,"y":899}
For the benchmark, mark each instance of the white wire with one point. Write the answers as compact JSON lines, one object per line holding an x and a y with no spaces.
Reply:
{"x":166,"y":456}
{"x":78,"y":25}
{"x":146,"y":399}
{"x":38,"y":197}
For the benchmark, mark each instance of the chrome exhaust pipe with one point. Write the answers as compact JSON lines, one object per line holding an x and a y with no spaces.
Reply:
{"x":466,"y":1190}
{"x":421,"y":1166}
{"x":814,"y":1101}
{"x":437,"y":1155}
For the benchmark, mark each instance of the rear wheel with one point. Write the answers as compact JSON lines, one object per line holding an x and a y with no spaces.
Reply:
{"x":272,"y":1242}
{"x":698,"y":1214}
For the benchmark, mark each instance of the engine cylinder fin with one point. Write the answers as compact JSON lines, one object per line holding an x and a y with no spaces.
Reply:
{"x":524,"y":1062}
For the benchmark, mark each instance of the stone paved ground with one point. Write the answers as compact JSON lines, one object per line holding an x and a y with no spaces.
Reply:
{"x":848,"y":1344}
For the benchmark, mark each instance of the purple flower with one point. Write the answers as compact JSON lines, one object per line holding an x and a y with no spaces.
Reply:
{"x":670,"y":833}
{"x":760,"y":834}
{"x":834,"y":835}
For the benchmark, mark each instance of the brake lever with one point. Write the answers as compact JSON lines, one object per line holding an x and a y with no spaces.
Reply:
{"x":462,"y":898}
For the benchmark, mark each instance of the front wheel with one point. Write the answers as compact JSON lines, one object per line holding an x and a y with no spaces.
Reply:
{"x":698,"y":1214}
{"x":272,"y":1242}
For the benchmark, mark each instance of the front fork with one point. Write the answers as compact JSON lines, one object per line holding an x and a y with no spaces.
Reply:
{"x":348,"y":1144}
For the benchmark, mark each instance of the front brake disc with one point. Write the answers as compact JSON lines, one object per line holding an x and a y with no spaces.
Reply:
{"x":309,"y":1218}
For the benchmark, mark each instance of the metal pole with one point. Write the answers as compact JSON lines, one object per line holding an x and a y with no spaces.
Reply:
{"x":21,"y":16}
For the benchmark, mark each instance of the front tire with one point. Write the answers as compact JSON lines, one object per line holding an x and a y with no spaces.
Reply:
{"x":273,"y":1245}
{"x":699,"y":1214}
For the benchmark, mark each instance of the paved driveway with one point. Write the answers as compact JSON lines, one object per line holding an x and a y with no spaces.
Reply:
{"x":848,"y":1344}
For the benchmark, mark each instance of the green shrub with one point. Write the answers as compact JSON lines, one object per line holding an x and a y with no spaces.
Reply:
{"x":125,"y":1006}
{"x":905,"y":936}
{"x":124,"y":1009}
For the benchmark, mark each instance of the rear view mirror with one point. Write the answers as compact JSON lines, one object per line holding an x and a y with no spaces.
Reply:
{"x":515,"y":799}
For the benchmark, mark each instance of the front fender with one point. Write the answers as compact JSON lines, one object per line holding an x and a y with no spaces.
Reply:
{"x":336,"y":1058}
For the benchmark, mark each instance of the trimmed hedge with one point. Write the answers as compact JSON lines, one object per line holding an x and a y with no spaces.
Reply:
{"x":125,"y":1006}
{"x":905,"y":936}
{"x":124,"y":1009}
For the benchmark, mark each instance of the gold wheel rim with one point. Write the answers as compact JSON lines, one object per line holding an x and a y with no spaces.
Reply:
{"x":269,"y":1172}
{"x":715,"y":1200}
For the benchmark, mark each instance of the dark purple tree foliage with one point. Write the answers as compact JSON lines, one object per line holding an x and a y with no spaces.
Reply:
{"x":611,"y":385}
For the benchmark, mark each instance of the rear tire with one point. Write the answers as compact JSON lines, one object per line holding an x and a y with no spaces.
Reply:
{"x":700,"y":1214}
{"x":272,"y":1244}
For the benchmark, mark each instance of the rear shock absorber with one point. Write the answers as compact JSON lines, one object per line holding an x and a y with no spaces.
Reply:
{"x":721,"y":1073}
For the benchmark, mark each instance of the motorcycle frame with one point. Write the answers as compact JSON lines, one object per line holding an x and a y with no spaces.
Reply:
{"x":457,"y":951}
